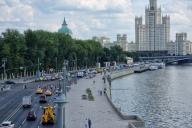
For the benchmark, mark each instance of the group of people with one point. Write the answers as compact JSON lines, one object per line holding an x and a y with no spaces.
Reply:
{"x":100,"y":92}
{"x":88,"y":123}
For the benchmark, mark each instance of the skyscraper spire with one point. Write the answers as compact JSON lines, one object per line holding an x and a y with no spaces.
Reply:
{"x":153,"y":4}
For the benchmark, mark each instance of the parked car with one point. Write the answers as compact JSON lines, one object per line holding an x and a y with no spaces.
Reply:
{"x":9,"y":82}
{"x":48,"y":93}
{"x":7,"y":124}
{"x":42,"y":99}
{"x":80,"y":74}
{"x":84,"y":97}
{"x":31,"y":116}
{"x":39,"y":91}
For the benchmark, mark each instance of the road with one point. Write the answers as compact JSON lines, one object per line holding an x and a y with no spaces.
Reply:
{"x":11,"y":108}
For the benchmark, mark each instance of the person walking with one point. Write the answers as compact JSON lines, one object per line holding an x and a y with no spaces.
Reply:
{"x":98,"y":92}
{"x":89,"y":123}
{"x":86,"y":123}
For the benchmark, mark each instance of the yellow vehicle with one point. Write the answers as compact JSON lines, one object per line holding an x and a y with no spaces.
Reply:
{"x":39,"y":91}
{"x":48,"y":116}
{"x":99,"y":70}
{"x":48,"y":93}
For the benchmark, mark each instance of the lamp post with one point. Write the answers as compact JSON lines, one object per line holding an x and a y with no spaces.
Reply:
{"x":75,"y":67}
{"x":4,"y":60}
{"x":61,"y":99}
{"x":56,"y":64}
{"x":86,"y":58}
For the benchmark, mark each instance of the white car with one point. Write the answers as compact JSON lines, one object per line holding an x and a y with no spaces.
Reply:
{"x":7,"y":124}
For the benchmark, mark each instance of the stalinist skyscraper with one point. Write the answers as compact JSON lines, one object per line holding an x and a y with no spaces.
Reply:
{"x":155,"y":33}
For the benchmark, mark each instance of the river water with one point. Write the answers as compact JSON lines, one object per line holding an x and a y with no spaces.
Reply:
{"x":163,"y":98}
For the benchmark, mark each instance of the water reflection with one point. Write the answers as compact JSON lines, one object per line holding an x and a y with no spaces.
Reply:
{"x":163,"y":97}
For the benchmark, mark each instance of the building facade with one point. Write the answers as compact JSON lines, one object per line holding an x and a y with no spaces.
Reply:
{"x":184,"y":45}
{"x":181,"y":40}
{"x":172,"y":48}
{"x":122,"y":41}
{"x":104,"y":41}
{"x":131,"y":47}
{"x":181,"y":46}
{"x":154,"y":35}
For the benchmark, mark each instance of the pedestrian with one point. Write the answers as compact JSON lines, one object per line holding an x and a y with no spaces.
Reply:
{"x":100,"y":93}
{"x":86,"y":123}
{"x":104,"y":91}
{"x":89,"y":123}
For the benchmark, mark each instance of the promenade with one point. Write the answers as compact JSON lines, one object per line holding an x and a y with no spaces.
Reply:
{"x":99,"y":111}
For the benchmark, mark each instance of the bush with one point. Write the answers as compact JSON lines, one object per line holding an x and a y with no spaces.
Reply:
{"x":84,"y":97}
{"x":88,"y":91}
{"x":91,"y":97}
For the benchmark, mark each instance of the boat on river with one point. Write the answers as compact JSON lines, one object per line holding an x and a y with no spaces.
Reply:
{"x":140,"y":67}
{"x":153,"y":67}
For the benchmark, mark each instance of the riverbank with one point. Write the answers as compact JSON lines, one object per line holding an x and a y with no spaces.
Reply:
{"x":133,"y":120}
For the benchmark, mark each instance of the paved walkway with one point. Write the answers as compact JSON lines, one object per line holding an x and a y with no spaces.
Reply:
{"x":99,"y":111}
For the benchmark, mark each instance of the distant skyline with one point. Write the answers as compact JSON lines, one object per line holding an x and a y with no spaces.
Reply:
{"x":88,"y":18}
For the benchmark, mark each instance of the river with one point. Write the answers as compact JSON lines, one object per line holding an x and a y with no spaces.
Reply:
{"x":163,"y":98}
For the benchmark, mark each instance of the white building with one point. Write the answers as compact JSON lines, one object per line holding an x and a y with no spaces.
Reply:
{"x":172,"y":48}
{"x":155,"y":33}
{"x":181,"y":40}
{"x":189,"y":48}
{"x":109,"y":45}
{"x":184,"y":45}
{"x":122,"y":41}
{"x":181,"y":46}
{"x":102,"y":40}
{"x":131,"y":47}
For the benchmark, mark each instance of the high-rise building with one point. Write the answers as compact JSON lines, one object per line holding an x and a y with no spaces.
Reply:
{"x":181,"y":41}
{"x":172,"y":48}
{"x":181,"y":46}
{"x":155,"y":33}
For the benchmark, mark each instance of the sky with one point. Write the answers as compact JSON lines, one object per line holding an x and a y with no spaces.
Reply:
{"x":87,"y":18}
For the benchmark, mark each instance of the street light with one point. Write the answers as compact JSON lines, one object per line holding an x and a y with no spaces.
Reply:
{"x":75,"y":67}
{"x":61,"y":99}
{"x":4,"y":60}
{"x":56,"y":64}
{"x":86,"y":58}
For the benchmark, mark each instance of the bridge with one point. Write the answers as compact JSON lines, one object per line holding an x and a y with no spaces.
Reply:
{"x":169,"y":59}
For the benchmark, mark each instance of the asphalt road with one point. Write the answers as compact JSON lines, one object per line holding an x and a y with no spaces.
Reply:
{"x":12,"y":110}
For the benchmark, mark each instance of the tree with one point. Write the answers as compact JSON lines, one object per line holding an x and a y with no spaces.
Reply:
{"x":23,"y":50}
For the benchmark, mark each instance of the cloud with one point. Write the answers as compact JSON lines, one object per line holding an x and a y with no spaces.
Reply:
{"x":88,"y":18}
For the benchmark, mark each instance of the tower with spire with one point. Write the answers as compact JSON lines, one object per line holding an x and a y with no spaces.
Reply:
{"x":155,"y":33}
{"x":153,"y":4}
{"x":64,"y":28}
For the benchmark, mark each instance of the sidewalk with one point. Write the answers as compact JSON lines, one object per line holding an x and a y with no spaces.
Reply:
{"x":99,"y":111}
